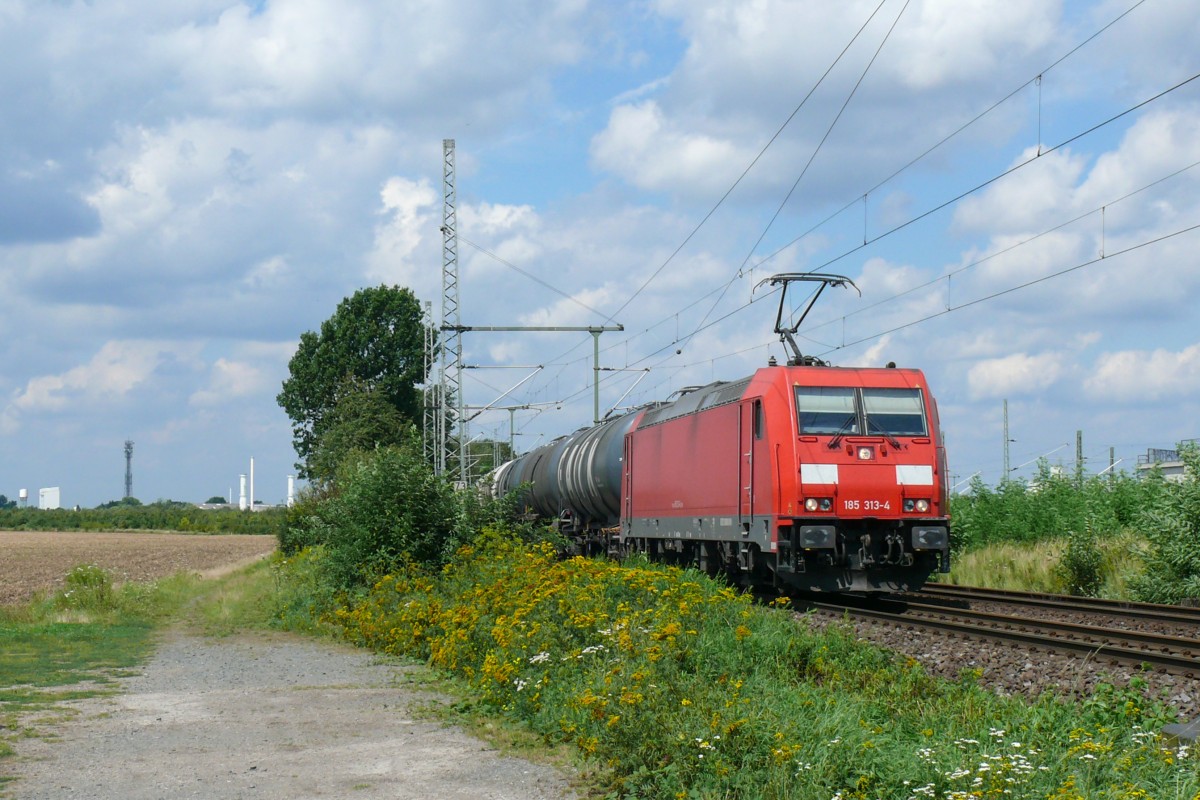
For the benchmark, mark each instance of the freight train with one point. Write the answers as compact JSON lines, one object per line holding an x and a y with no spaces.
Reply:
{"x":801,"y":477}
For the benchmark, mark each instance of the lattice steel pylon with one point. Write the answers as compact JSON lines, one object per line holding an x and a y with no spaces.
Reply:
{"x":430,"y":439}
{"x":451,"y":383}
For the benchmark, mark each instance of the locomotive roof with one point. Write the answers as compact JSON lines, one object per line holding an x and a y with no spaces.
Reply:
{"x":722,"y":392}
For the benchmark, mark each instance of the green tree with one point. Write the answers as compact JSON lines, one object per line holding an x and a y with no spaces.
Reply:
{"x":124,"y":501}
{"x":361,"y":420}
{"x":375,"y":341}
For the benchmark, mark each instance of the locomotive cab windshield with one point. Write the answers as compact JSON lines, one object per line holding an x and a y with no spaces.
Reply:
{"x":852,"y":411}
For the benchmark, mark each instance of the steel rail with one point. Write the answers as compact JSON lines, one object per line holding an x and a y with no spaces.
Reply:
{"x":1177,"y":664}
{"x":1155,"y":611}
{"x":1093,"y":633}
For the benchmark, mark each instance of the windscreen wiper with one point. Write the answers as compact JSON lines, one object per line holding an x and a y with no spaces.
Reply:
{"x":892,"y":440}
{"x":837,"y":438}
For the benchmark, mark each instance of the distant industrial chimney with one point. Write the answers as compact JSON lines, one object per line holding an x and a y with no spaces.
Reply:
{"x":128,"y":468}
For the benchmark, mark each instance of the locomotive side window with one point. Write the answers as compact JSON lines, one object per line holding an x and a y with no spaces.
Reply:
{"x":895,"y":412}
{"x":827,"y":410}
{"x":758,"y":419}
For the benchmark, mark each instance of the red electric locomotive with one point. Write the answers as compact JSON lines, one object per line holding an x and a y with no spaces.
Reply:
{"x":800,"y":476}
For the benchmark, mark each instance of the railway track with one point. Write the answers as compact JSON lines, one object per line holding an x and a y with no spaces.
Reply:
{"x":1092,"y":605}
{"x":1075,"y":632}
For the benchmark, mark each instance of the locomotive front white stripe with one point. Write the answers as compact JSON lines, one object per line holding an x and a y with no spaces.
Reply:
{"x":914,"y":474}
{"x":818,"y":473}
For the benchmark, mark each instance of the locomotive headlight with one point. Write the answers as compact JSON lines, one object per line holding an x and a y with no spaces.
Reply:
{"x":920,"y":506}
{"x":818,"y":504}
{"x":930,"y":538}
{"x":865,"y":454}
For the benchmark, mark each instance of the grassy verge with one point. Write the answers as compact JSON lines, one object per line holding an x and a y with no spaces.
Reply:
{"x":674,"y":686}
{"x":76,"y":644}
{"x":1032,"y":566}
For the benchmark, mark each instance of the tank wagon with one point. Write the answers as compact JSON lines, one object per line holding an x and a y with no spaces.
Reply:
{"x":801,"y":477}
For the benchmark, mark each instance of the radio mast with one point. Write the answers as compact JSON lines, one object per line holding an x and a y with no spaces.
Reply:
{"x":128,"y":468}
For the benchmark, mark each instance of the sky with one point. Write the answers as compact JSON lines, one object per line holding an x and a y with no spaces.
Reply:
{"x":186,"y":187}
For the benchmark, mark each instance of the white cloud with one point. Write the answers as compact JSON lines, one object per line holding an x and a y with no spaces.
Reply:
{"x":1028,"y":198}
{"x":655,"y":153}
{"x":112,"y":374}
{"x":1017,"y":374}
{"x":953,"y":41}
{"x":1140,"y":375}
{"x":229,"y":380}
{"x":411,"y":218}
{"x":748,"y":63}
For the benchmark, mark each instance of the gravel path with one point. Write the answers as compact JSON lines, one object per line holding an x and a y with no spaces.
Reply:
{"x":269,"y":716}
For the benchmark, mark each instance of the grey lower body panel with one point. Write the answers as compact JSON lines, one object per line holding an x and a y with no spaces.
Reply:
{"x":795,"y":554}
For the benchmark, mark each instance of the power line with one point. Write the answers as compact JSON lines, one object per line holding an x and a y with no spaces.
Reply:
{"x":988,"y":182}
{"x":1003,"y":251}
{"x":914,"y":161}
{"x":532,"y":277}
{"x":1010,"y":290}
{"x":812,"y":157}
{"x":750,"y":166}
{"x":991,"y":108}
{"x":722,"y":290}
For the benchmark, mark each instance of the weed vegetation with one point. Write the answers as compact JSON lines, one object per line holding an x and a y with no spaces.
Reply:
{"x":671,"y":685}
{"x":678,"y":686}
{"x":1112,"y":535}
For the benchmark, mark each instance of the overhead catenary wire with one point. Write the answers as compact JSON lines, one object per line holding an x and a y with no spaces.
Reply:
{"x":1003,"y":251}
{"x":625,"y":341}
{"x":1026,"y":284}
{"x":996,"y":178}
{"x":804,"y":171}
{"x":739,"y":179}
{"x":989,"y":181}
{"x":933,"y":281}
{"x":1107,"y":256}
{"x":532,"y":277}
{"x":911,"y":163}
{"x":752,"y":163}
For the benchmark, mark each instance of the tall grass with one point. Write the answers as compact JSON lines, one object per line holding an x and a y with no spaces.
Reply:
{"x":677,"y":686}
{"x":1034,"y":567}
{"x":1112,"y":535}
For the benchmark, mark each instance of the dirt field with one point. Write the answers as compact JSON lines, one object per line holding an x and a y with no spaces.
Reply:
{"x":30,"y":561}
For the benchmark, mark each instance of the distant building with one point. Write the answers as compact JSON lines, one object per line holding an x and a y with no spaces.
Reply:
{"x":1167,"y":461}
{"x":49,"y":498}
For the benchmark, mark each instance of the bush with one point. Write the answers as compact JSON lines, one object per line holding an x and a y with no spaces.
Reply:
{"x":1081,"y":567}
{"x":1049,"y":506}
{"x":87,"y":587}
{"x":386,"y":506}
{"x":1173,"y":527}
{"x":165,"y":516}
